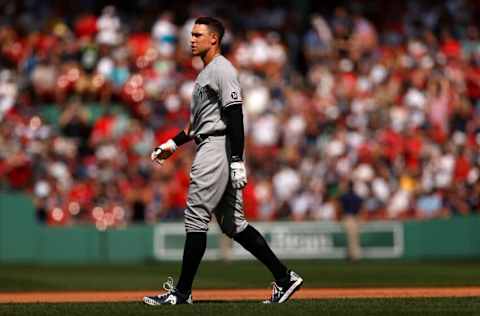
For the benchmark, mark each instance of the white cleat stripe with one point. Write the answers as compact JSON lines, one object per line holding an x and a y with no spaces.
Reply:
{"x":291,"y":290}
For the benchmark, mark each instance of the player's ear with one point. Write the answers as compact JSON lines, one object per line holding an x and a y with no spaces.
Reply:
{"x":214,"y":38}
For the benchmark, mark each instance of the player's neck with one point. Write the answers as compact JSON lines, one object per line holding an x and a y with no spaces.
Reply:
{"x":210,"y":55}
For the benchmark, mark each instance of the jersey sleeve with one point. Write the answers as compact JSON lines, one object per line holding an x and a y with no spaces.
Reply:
{"x":229,"y":89}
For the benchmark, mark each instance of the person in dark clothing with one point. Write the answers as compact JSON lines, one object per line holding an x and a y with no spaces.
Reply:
{"x":351,"y":205}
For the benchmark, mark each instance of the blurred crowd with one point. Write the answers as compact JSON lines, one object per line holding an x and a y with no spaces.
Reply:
{"x":387,"y":107}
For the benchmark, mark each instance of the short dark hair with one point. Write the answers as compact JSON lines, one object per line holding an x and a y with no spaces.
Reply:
{"x":213,"y":24}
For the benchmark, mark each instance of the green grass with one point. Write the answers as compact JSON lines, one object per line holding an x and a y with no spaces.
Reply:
{"x":250,"y":275}
{"x":350,"y":307}
{"x":239,"y":275}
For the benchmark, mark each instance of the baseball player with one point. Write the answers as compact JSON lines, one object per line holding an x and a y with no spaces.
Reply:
{"x":218,"y":172}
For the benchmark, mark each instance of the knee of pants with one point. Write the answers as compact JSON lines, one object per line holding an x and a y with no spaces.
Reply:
{"x":194,"y":222}
{"x":231,"y":229}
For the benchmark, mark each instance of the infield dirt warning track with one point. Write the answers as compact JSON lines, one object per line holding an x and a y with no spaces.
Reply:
{"x":238,"y":294}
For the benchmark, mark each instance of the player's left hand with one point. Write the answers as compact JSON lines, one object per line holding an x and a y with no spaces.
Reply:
{"x":238,"y":175}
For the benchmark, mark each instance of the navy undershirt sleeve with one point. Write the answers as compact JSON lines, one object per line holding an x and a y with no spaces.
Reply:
{"x":181,"y":138}
{"x":235,"y":133}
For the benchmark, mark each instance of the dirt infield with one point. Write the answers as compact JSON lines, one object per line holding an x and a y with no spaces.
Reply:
{"x":239,"y":294}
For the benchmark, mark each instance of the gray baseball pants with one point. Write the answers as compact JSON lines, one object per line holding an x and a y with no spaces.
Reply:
{"x":210,"y":191}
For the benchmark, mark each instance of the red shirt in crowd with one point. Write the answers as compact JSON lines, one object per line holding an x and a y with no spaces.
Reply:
{"x":86,"y":26}
{"x":392,"y":143}
{"x":462,"y":168}
{"x":413,"y":148}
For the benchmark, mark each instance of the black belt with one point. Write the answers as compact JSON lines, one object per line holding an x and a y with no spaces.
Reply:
{"x":201,"y":137}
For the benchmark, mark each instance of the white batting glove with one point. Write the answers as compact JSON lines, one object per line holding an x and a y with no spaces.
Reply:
{"x":238,"y":175}
{"x":164,"y":151}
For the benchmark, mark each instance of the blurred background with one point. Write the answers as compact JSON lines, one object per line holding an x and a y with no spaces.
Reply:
{"x":355,"y":111}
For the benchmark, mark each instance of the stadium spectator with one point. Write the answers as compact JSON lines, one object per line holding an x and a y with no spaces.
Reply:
{"x":350,"y":205}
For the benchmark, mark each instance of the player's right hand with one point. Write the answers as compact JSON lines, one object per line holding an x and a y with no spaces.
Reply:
{"x":164,"y":151}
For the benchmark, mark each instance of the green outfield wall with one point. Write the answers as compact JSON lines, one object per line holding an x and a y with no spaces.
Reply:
{"x":22,"y":239}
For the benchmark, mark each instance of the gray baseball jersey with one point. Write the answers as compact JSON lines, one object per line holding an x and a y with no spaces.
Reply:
{"x":210,"y":190}
{"x":216,"y":88}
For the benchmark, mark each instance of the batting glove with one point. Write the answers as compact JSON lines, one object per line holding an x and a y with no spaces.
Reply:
{"x":164,"y":151}
{"x":238,"y":175}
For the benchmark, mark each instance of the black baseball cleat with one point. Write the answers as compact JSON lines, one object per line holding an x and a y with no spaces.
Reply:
{"x":282,"y":292}
{"x":171,"y":297}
